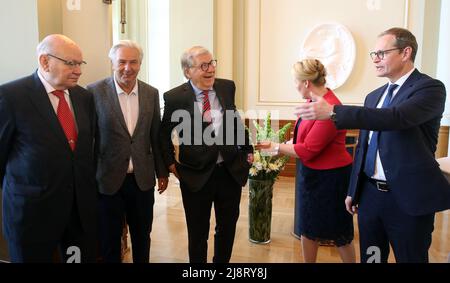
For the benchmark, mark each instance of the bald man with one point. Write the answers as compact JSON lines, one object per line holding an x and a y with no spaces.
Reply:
{"x":47,"y":159}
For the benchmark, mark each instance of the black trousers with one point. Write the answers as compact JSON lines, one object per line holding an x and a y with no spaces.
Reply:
{"x":74,"y":246}
{"x":225,"y":193}
{"x":381,"y":222}
{"x":134,"y":206}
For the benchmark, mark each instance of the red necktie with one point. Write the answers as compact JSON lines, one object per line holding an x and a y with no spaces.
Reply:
{"x":66,"y":119}
{"x":206,"y":107}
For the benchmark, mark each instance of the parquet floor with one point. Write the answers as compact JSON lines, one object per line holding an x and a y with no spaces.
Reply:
{"x":169,"y":235}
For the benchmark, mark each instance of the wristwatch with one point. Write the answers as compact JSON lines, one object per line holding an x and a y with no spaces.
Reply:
{"x":333,"y":116}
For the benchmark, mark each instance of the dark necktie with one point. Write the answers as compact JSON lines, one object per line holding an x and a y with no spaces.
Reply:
{"x":206,"y":113}
{"x":371,"y":154}
{"x":66,"y":119}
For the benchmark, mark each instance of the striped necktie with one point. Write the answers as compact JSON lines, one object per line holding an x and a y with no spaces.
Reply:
{"x":206,"y":113}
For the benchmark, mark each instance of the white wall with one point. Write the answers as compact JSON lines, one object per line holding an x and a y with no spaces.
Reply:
{"x":158,"y":50}
{"x":275,"y":31}
{"x":191,"y":23}
{"x":19,"y":31}
{"x":90,"y":27}
{"x":50,"y":17}
{"x":443,"y":64}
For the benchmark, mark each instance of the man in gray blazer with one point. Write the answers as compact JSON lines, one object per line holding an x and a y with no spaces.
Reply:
{"x":127,"y":154}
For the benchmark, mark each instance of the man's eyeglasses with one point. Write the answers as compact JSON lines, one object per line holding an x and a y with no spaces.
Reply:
{"x":205,"y":66}
{"x":380,"y":53}
{"x":71,"y":64}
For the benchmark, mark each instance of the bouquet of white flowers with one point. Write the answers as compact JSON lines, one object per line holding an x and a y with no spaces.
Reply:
{"x":266,"y":166}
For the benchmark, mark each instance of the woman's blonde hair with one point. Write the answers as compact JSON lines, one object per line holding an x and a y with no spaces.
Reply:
{"x":310,"y":70}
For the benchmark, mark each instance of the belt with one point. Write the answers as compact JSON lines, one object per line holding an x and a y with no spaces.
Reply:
{"x":382,"y":186}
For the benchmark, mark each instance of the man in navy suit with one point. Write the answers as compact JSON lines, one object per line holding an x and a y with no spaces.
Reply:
{"x":47,"y":125}
{"x":396,"y":183}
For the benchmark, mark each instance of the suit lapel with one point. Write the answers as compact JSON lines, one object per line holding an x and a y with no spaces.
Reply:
{"x":39,"y":98}
{"x":80,"y":115}
{"x":403,"y":91}
{"x":376,"y":98}
{"x":219,"y":95}
{"x":191,"y":100}
{"x":142,"y":106}
{"x":111,"y":96}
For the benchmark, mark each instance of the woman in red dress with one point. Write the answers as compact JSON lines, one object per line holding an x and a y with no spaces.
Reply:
{"x":323,"y":170}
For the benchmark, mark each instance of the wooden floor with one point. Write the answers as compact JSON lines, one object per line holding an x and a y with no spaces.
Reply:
{"x":169,"y":235}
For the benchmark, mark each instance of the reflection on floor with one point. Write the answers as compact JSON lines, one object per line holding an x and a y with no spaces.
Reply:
{"x":169,"y":235}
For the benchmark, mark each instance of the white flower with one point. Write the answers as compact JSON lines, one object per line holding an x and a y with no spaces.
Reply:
{"x":274,"y":166}
{"x":268,"y":167}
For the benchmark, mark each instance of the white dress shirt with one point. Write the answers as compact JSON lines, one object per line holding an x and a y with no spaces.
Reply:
{"x":379,"y":171}
{"x":129,"y":104}
{"x":54,"y":100}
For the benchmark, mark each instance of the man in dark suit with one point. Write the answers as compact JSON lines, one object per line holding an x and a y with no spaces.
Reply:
{"x":212,"y":155}
{"x":128,"y":154}
{"x":396,"y":182}
{"x":47,"y":125}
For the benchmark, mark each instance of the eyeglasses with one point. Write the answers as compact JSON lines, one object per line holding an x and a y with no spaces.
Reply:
{"x":71,"y":64}
{"x":380,"y":53}
{"x":205,"y":66}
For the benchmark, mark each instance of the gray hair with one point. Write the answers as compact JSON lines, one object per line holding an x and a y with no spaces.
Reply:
{"x":125,"y":43}
{"x":187,"y":58}
{"x":43,"y":48}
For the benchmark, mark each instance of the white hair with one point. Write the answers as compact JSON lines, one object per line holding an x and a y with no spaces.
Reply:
{"x":187,"y":58}
{"x":125,"y":43}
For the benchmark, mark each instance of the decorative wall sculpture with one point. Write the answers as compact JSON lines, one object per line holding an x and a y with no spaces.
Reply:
{"x":334,"y":46}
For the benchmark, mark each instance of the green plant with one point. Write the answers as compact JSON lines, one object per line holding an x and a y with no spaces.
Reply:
{"x":266,"y":167}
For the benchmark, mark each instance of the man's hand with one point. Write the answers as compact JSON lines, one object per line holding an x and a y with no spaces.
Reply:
{"x":349,"y":206}
{"x":162,"y":184}
{"x":173,"y":169}
{"x":318,"y":109}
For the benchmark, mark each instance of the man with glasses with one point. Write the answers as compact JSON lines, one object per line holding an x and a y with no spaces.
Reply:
{"x":396,"y":184}
{"x":47,"y":125}
{"x":206,"y":147}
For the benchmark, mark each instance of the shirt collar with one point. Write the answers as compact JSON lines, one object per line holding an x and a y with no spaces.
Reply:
{"x":403,"y":79}
{"x":48,"y":87}
{"x":121,"y":91}
{"x":197,"y":91}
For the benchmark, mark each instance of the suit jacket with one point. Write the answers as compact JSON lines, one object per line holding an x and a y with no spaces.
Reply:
{"x":41,"y":175}
{"x":195,"y":160}
{"x":115,"y":145}
{"x":407,"y":142}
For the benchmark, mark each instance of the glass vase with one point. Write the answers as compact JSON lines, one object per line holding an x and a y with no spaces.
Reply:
{"x":260,"y":210}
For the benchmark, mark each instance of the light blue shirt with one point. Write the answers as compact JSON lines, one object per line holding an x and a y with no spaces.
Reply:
{"x":216,"y":109}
